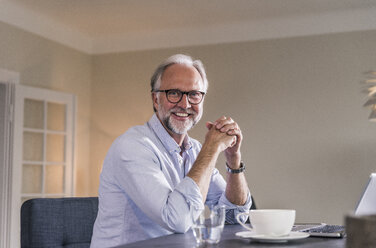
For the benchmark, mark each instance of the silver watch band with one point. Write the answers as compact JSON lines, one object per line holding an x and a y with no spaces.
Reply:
{"x":240,"y":170}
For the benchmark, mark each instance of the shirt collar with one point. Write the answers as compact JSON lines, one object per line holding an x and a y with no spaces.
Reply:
{"x":168,"y":142}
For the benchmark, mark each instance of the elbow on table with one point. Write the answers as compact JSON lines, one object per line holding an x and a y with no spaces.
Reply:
{"x":182,"y":227}
{"x":180,"y":224}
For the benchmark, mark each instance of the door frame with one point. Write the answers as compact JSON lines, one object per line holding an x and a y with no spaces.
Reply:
{"x":9,"y":79}
{"x":12,"y":159}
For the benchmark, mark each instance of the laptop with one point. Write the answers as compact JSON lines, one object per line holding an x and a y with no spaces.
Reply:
{"x":366,"y":206}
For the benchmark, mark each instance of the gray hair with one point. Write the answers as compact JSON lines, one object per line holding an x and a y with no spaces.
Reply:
{"x":155,"y":82}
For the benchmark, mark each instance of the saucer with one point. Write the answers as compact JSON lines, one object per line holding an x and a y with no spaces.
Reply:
{"x":272,"y":239}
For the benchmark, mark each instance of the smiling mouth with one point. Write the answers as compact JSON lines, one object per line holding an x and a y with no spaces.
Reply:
{"x":182,"y":114}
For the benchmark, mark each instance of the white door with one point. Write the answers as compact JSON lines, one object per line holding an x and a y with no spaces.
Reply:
{"x":43,"y":148}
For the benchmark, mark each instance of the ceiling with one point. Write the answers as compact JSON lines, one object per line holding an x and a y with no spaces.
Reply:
{"x":105,"y":26}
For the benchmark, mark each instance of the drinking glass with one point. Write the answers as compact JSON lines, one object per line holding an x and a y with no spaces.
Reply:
{"x":208,"y":227}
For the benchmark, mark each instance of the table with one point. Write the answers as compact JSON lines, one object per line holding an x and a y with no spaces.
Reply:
{"x":229,"y":240}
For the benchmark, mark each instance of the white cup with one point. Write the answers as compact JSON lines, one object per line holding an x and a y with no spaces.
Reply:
{"x":270,"y":222}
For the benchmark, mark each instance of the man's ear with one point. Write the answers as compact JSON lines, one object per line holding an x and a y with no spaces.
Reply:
{"x":154,"y":98}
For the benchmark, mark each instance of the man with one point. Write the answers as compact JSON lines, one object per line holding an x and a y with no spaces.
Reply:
{"x":155,"y":178}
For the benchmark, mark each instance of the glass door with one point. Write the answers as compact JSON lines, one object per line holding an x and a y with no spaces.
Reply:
{"x":43,"y":147}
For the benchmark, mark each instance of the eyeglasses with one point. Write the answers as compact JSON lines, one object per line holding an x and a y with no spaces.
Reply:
{"x":175,"y":95}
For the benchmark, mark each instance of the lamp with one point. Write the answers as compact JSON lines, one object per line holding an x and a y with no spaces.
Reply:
{"x":371,"y":93}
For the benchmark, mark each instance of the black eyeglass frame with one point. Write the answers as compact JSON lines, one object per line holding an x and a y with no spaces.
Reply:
{"x":183,"y":93}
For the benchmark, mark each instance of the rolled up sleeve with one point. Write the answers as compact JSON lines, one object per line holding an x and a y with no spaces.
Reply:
{"x":233,"y":210}
{"x":216,"y":195}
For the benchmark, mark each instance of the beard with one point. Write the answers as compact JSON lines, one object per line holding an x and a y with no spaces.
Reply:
{"x":177,"y":126}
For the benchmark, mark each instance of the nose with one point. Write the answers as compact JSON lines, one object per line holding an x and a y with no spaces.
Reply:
{"x":184,"y":103}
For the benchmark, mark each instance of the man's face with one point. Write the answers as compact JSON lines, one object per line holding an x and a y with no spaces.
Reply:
{"x":179,"y":117}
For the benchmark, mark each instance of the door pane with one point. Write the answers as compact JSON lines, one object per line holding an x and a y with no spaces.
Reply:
{"x":54,"y":179}
{"x":32,"y":178}
{"x":33,"y":114}
{"x":33,"y":146}
{"x":56,"y":116}
{"x":55,"y":148}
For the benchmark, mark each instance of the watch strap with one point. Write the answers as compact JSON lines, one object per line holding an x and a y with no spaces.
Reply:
{"x":236,"y":171}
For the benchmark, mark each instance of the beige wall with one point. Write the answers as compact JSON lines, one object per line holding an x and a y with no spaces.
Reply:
{"x":45,"y":64}
{"x":308,"y":144}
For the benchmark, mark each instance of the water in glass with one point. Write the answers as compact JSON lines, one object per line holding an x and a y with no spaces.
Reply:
{"x":208,"y":227}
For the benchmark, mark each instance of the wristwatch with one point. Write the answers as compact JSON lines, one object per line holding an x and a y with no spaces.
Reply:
{"x":236,"y":171}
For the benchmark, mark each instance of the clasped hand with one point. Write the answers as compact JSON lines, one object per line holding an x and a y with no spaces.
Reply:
{"x":226,"y":133}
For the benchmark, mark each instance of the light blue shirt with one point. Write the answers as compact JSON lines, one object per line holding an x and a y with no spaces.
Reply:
{"x":144,"y":192}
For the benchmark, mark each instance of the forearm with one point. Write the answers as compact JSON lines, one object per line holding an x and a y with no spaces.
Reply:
{"x":202,"y":169}
{"x":236,"y":188}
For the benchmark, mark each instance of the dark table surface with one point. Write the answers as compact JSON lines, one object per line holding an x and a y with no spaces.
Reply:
{"x":230,"y":240}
